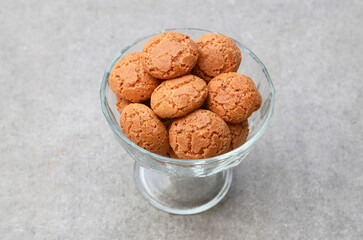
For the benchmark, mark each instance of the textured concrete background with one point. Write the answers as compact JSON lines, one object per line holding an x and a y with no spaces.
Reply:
{"x":64,"y":176}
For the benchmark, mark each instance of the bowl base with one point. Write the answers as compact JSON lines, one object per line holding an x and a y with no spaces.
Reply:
{"x":182,"y":195}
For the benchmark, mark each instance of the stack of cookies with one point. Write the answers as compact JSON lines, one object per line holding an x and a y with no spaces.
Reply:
{"x":184,"y":99}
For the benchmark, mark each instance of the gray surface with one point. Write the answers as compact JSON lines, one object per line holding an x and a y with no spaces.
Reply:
{"x":63,"y":175}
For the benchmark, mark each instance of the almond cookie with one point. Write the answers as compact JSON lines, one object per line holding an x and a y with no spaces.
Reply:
{"x":201,"y":134}
{"x":239,"y":133}
{"x":169,"y":55}
{"x":217,"y":54}
{"x":121,"y":103}
{"x":130,"y":81}
{"x":141,"y":125}
{"x":233,"y":96}
{"x":179,"y":96}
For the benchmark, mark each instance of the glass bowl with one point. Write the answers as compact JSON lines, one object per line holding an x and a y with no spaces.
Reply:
{"x":189,"y":186}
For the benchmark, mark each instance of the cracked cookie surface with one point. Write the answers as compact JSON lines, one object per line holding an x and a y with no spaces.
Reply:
{"x":217,"y":54}
{"x":179,"y":96}
{"x":129,"y":80}
{"x":233,"y":96}
{"x":239,"y":133}
{"x":141,"y":125}
{"x":169,"y":55}
{"x":201,"y":134}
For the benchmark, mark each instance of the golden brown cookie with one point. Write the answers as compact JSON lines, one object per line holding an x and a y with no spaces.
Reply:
{"x":179,"y":96}
{"x":121,"y":103}
{"x":130,"y":81}
{"x":239,"y":133}
{"x":169,"y":55}
{"x":233,"y":96}
{"x":217,"y":54}
{"x":141,"y":125}
{"x":200,"y":134}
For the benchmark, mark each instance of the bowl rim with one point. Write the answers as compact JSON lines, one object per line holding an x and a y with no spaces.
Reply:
{"x":110,"y":118}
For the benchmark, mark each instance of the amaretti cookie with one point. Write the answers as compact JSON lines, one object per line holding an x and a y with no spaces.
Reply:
{"x":169,"y":55}
{"x":129,"y":80}
{"x":179,"y":96}
{"x":200,"y":134}
{"x":239,"y":133}
{"x":233,"y":96}
{"x":217,"y":54}
{"x":141,"y":125}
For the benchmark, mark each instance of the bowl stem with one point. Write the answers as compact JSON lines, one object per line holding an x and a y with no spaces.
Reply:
{"x":182,"y":195}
